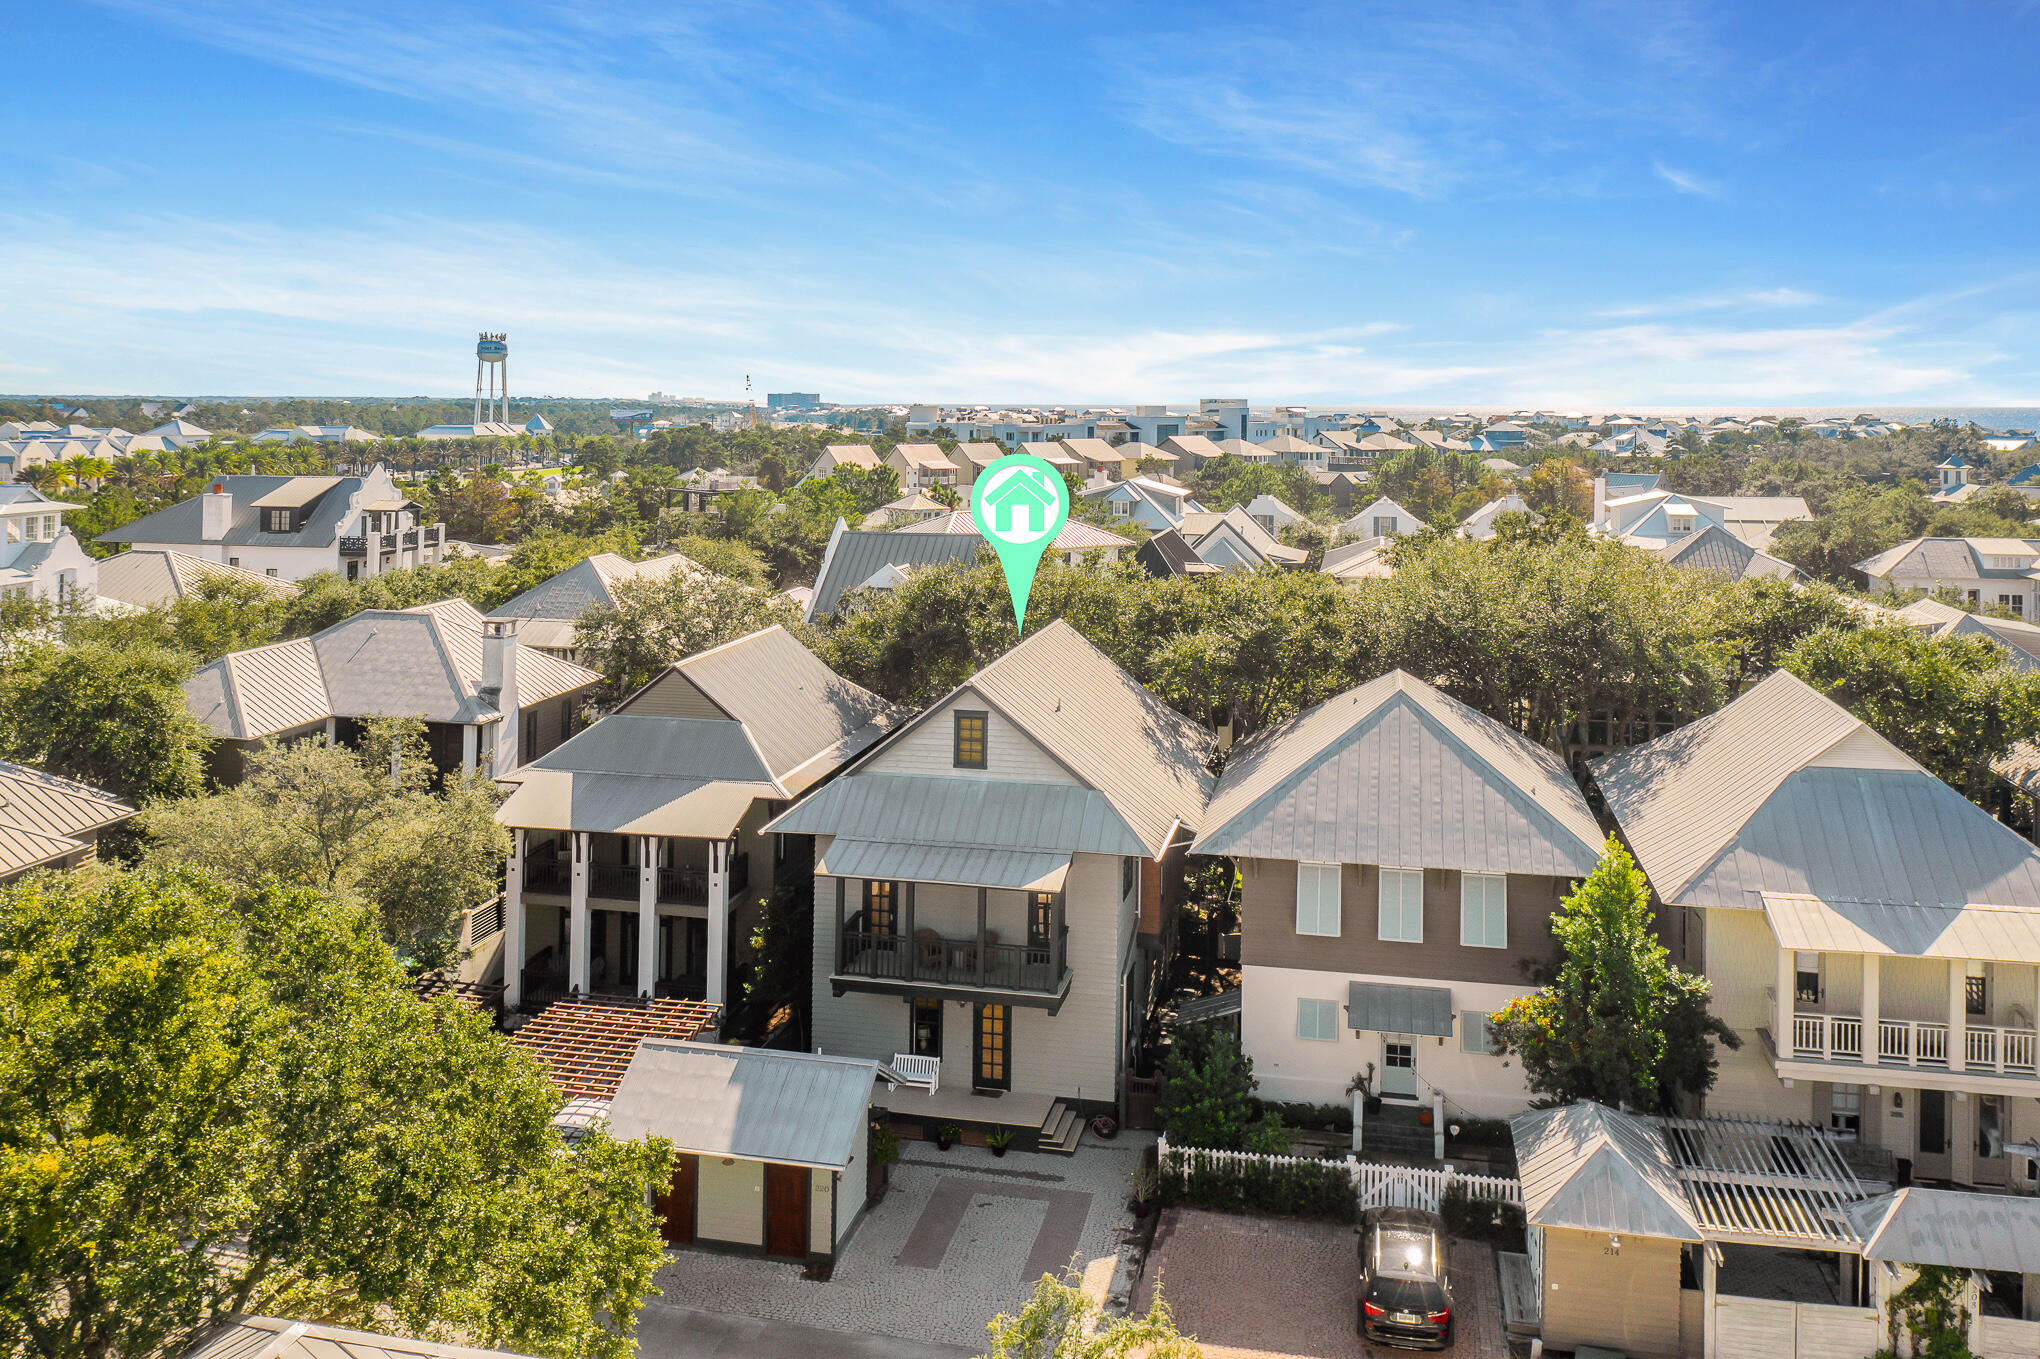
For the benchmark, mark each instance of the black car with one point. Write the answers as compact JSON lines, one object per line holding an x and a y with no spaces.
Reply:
{"x":1405,"y":1293}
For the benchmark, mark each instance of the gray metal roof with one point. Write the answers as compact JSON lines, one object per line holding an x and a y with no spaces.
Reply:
{"x":1915,"y":1226}
{"x":160,"y":576}
{"x":793,"y":1108}
{"x":276,"y":1338}
{"x":423,"y":662}
{"x":1945,"y":557}
{"x":591,"y":581}
{"x":1395,"y":772}
{"x":1715,"y":549}
{"x":1591,"y":1168}
{"x":181,"y":523}
{"x":855,"y":556}
{"x":937,"y":810}
{"x":961,"y":865}
{"x":1381,"y":1007}
{"x":1198,"y":1009}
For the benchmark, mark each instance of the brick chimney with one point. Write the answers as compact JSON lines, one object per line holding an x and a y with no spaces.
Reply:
{"x":215,"y":512}
{"x":499,"y":682}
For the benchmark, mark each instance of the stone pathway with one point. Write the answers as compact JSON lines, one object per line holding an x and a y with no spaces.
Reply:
{"x":1258,"y":1288}
{"x":961,"y":1236}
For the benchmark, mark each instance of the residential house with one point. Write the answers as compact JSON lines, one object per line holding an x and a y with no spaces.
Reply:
{"x":1148,"y":501}
{"x":40,"y":558}
{"x":863,"y":457}
{"x":1715,"y":549}
{"x":1655,"y":519}
{"x":1169,"y":553}
{"x":863,"y":558}
{"x":703,"y":489}
{"x":1367,"y":559}
{"x":2026,"y":481}
{"x":639,"y":854}
{"x":1992,"y":572}
{"x":1378,"y":928}
{"x":2020,"y":639}
{"x":1234,"y":542}
{"x":1192,"y":450}
{"x":179,"y":433}
{"x":1271,"y":514}
{"x":1480,"y":525}
{"x":294,"y":527}
{"x":487,"y":702}
{"x":314,"y":434}
{"x":769,"y":1148}
{"x":1872,"y":935}
{"x":1613,"y":486}
{"x":245,"y":1337}
{"x":1501,"y":435}
{"x":1955,"y":485}
{"x":921,"y":466}
{"x":910,"y":508}
{"x":147,"y":578}
{"x":547,"y":613}
{"x":1383,"y":519}
{"x":972,"y":459}
{"x":1072,"y":544}
{"x":1100,"y":458}
{"x":47,"y":822}
{"x":1290,"y":449}
{"x":993,"y":888}
{"x":1252,"y":452}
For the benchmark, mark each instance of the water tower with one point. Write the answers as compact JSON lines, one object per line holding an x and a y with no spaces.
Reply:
{"x":492,"y":358}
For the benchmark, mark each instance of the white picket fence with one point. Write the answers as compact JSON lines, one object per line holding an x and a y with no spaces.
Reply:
{"x":1375,"y":1183}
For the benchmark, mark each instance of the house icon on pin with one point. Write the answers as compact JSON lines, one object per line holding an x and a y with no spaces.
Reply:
{"x":1021,"y":506}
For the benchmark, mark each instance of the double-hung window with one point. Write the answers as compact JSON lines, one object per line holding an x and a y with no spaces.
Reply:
{"x":1484,"y":910}
{"x":1317,"y":1020}
{"x":1402,"y":905}
{"x":1317,"y":899}
{"x":1473,"y":1033}
{"x":970,"y":740}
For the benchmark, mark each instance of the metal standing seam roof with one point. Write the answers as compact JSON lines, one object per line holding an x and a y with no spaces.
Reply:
{"x":939,"y":811}
{"x":1590,"y":1168}
{"x":277,"y":1338}
{"x":1396,"y":772}
{"x":50,"y":805}
{"x":1074,"y":536}
{"x":856,"y":555}
{"x":1916,"y":1226}
{"x":1383,"y":1007}
{"x":182,"y":522}
{"x":1958,"y":557}
{"x":1716,"y":549}
{"x":712,"y":1099}
{"x":1998,"y":934}
{"x":854,"y":455}
{"x":958,"y":865}
{"x":923,"y":455}
{"x":684,"y":776}
{"x":591,"y":581}
{"x":295,"y":493}
{"x":147,"y":576}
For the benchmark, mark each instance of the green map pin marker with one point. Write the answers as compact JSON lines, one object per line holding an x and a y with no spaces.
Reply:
{"x":1019,"y":504}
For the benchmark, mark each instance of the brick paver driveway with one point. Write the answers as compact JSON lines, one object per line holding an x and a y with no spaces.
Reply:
{"x":1257,"y":1287}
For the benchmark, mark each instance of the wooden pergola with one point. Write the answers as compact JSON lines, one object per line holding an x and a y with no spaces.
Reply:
{"x":587,"y":1042}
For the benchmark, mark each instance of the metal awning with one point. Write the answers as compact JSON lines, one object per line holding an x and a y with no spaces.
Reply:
{"x":627,"y":804}
{"x":1998,"y":934}
{"x":961,"y":865}
{"x":1945,"y":1227}
{"x":1378,"y":1007}
{"x":296,"y":493}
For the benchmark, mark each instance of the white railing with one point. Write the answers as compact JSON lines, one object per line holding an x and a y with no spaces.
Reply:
{"x":923,"y":1073}
{"x":1992,"y":1048}
{"x":1827,"y":1037}
{"x":1912,"y":1042}
{"x":1375,"y":1184}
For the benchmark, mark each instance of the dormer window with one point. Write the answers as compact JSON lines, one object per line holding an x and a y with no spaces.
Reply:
{"x":1679,"y":523}
{"x":277,"y":521}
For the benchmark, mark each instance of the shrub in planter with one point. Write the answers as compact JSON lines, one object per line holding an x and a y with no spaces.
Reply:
{"x":1142,"y":1184}
{"x":998,"y":1139}
{"x":947,"y":1136}
{"x":1294,"y":1188}
{"x":1480,"y":1219}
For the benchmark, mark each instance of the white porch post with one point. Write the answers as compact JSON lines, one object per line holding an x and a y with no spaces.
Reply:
{"x":1872,"y":1008}
{"x":470,"y":746}
{"x":578,"y":943}
{"x":1359,"y":1116}
{"x":1786,"y":980}
{"x":718,"y":919}
{"x":648,"y":915}
{"x":1958,"y":1014}
{"x":1437,"y":1125}
{"x":1707,"y":1294}
{"x":513,"y":923}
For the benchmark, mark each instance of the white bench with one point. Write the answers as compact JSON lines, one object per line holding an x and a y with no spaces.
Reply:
{"x":922,"y":1073}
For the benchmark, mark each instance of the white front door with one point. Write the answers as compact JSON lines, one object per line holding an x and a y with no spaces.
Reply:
{"x":1398,"y":1066}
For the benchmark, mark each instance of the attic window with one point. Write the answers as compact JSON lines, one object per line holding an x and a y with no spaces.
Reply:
{"x":277,"y":521}
{"x":970,"y":740}
{"x":1680,"y":523}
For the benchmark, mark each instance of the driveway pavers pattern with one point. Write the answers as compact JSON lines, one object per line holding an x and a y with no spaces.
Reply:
{"x":1256,"y":1288}
{"x":961,"y":1236}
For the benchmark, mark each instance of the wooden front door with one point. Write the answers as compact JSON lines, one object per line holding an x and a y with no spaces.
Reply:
{"x":786,"y":1211}
{"x":994,"y":1048}
{"x":676,"y":1205}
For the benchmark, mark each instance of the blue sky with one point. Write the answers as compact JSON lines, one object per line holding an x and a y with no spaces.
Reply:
{"x":1461,"y":204}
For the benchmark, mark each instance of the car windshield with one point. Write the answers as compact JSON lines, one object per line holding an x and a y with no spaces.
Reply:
{"x":1406,"y":1254}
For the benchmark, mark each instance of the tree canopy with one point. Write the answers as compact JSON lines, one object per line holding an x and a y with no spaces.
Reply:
{"x":114,"y":717}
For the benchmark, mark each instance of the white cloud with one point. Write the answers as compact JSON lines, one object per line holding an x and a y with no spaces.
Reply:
{"x":1685,"y":181}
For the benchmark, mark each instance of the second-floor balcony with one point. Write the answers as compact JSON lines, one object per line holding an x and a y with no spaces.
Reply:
{"x":550,"y":873}
{"x":1915,"y":1043}
{"x":882,"y":960}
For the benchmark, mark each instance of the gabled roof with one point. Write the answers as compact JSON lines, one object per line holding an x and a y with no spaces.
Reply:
{"x":1192,"y":446}
{"x":423,"y":662}
{"x":552,"y":607}
{"x":1784,"y":791}
{"x":1590,"y":1168}
{"x":1715,"y":549}
{"x":1481,"y":523}
{"x":42,"y":816}
{"x":1915,"y":1226}
{"x":1112,"y":735}
{"x":713,"y":1099}
{"x":923,"y":455}
{"x":1203,"y":529}
{"x":854,"y":556}
{"x":1331,"y":785}
{"x":277,"y":1338}
{"x":1956,"y":557}
{"x":1364,"y":560}
{"x":979,"y":454}
{"x":160,"y":576}
{"x":1074,"y":536}
{"x":1169,"y":553}
{"x":180,"y":524}
{"x":853,"y":455}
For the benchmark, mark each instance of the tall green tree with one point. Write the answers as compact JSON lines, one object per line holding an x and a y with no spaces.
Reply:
{"x":1619,"y":1024}
{"x":656,"y":622}
{"x":1064,"y":1321}
{"x":1207,"y":1094}
{"x":112,"y":716}
{"x":211,"y":1106}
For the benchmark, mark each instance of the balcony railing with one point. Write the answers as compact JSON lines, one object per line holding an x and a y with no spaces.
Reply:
{"x":1912,"y":1042}
{"x":546,"y":873}
{"x":353,"y":545}
{"x":1916,"y":1043}
{"x":938,"y":960}
{"x":553,"y":873}
{"x":410,"y":538}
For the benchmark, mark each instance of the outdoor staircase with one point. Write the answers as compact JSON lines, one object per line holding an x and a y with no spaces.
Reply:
{"x":1395,"y":1134}
{"x":1061,"y":1130}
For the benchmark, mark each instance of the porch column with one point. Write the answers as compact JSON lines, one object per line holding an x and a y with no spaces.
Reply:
{"x":1707,"y":1293}
{"x":980,"y":949}
{"x":648,"y":915}
{"x":578,"y":942}
{"x":907,"y":946}
{"x":1958,"y":1014}
{"x":332,"y":731}
{"x":1872,"y":1008}
{"x":470,"y":747}
{"x":1058,"y":950}
{"x":1437,"y":1125}
{"x":513,"y":923}
{"x":1359,"y":1117}
{"x":842,"y":892}
{"x":718,"y":919}
{"x":1786,"y":980}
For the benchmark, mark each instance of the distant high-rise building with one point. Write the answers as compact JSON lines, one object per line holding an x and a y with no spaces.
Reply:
{"x":793,"y":401}
{"x":1229,"y":411}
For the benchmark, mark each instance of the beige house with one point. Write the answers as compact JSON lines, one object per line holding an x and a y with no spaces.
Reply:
{"x":921,"y":466}
{"x":1987,"y":572}
{"x":991,"y":890}
{"x":863,"y":457}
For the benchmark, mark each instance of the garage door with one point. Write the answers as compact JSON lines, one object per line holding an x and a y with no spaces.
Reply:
{"x":1755,"y":1328}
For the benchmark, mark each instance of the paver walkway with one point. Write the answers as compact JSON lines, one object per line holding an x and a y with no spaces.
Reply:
{"x":1258,"y":1287}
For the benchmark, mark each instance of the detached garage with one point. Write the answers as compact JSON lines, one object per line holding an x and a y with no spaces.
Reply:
{"x":768,"y":1146}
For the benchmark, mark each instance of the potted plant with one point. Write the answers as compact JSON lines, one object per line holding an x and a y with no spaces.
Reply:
{"x":998,"y":1139}
{"x":1370,"y":1103}
{"x":1143,"y":1184}
{"x":947,"y":1136}
{"x":1105,"y":1126}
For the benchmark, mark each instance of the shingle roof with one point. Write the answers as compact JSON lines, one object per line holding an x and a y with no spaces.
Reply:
{"x":1762,"y":796}
{"x":423,"y":662}
{"x":1333,"y":785}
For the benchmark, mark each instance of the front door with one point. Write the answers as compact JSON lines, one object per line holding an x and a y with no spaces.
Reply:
{"x":676,"y":1205}
{"x":1933,"y":1161}
{"x":994,"y":1048}
{"x":1398,"y":1066}
{"x":786,"y":1211}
